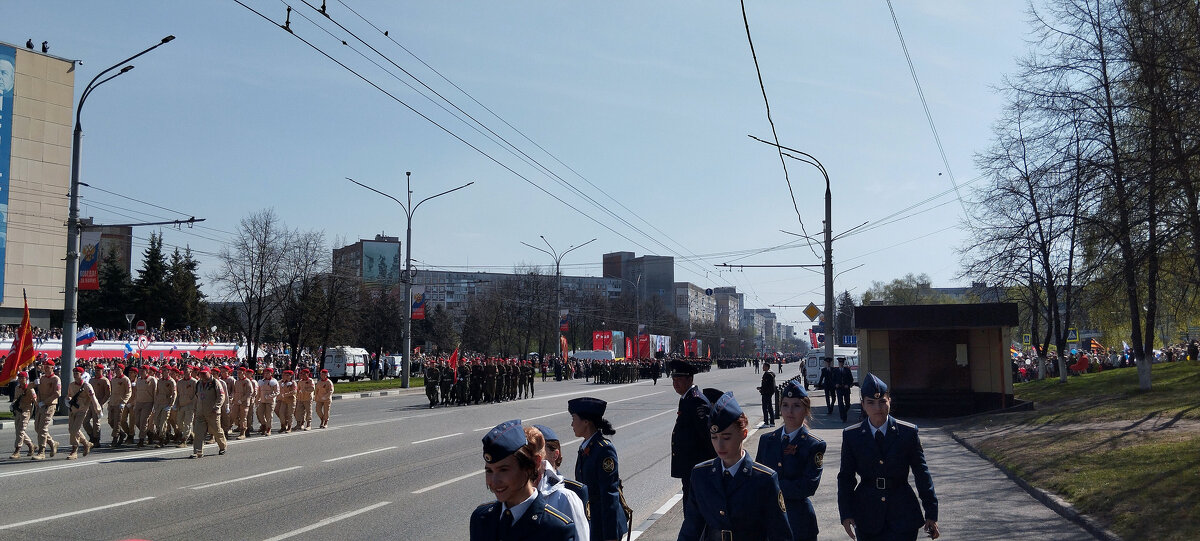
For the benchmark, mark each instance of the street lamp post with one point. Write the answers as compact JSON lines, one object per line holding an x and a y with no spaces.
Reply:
{"x":71,"y":291}
{"x":557,"y":280}
{"x":409,"y":210}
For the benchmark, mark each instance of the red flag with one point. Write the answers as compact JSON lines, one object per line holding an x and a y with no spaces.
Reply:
{"x":21,"y":354}
{"x":454,"y":364}
{"x":563,"y":345}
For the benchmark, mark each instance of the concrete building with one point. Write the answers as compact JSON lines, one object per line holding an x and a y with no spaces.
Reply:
{"x":656,"y":273}
{"x":453,"y":290}
{"x":375,"y":261}
{"x":730,"y":304}
{"x":37,"y":93}
{"x":693,"y":305}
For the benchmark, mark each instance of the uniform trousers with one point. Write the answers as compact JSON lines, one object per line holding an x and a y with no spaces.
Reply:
{"x":207,"y":422}
{"x":41,"y":425}
{"x":75,"y":422}
{"x":226,"y":417}
{"x":239,"y":417}
{"x":184,"y":417}
{"x":264,"y":415}
{"x":323,"y":411}
{"x":128,"y":418}
{"x":159,"y":424}
{"x":284,"y":410}
{"x":114,"y":418}
{"x":141,"y":417}
{"x":21,"y":420}
{"x":303,"y":412}
{"x":91,"y":422}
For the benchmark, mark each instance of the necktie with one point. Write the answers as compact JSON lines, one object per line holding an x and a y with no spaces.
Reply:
{"x":506,"y":522}
{"x":726,"y":481}
{"x":879,"y":442}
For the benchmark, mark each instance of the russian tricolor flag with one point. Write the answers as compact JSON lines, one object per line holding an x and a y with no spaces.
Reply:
{"x":85,"y":337}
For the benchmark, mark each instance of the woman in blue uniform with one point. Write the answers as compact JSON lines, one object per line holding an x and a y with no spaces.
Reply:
{"x":596,"y":468}
{"x":519,"y":512}
{"x":874,"y":499}
{"x":796,"y":455}
{"x":733,"y":497}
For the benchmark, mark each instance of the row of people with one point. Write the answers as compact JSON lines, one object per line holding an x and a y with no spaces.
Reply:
{"x":472,"y":382}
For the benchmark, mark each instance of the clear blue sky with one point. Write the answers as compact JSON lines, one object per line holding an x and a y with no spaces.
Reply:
{"x":650,"y":101}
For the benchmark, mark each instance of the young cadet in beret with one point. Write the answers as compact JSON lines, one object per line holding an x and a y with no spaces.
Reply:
{"x":874,"y":498}
{"x":597,"y":468}
{"x":519,"y":512}
{"x":733,"y":497}
{"x":796,"y":455}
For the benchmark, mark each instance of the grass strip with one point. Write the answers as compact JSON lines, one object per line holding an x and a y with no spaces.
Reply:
{"x":381,"y":385}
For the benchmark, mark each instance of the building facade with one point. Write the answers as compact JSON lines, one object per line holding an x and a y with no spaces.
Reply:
{"x":653,"y":275}
{"x":373,"y":261}
{"x":693,"y":305}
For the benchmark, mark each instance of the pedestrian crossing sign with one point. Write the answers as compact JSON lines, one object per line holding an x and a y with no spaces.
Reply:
{"x":1073,"y":335}
{"x":1026,"y":339}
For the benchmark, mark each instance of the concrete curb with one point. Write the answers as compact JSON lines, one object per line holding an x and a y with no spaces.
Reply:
{"x":1049,"y":499}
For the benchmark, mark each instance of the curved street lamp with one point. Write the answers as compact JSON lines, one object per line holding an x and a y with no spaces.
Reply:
{"x":557,"y":280}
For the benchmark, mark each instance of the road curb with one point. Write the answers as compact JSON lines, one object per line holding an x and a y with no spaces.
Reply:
{"x":1049,"y":499}
{"x":373,"y":394}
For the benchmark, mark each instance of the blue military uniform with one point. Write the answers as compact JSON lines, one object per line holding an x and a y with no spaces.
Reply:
{"x":574,"y":486}
{"x":689,"y":438}
{"x":798,"y":462}
{"x":743,"y":503}
{"x":495,"y":521}
{"x":873,"y":484}
{"x":596,"y":468}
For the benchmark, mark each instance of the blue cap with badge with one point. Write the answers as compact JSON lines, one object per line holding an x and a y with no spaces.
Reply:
{"x":794,"y":389}
{"x":503,"y":440}
{"x":587,"y":407}
{"x":725,"y":412}
{"x":873,"y":387}
{"x":547,"y":432}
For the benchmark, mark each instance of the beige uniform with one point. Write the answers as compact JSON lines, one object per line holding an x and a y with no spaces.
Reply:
{"x":324,"y":397}
{"x":24,"y":400}
{"x":48,"y":390}
{"x":227,"y":412}
{"x":209,"y":397}
{"x":243,"y":394}
{"x":82,"y":401}
{"x":101,"y":386}
{"x":185,"y":391}
{"x":143,"y":402}
{"x":304,"y":398}
{"x":164,"y":398}
{"x":286,"y":405}
{"x":119,"y":409}
{"x":268,"y":389}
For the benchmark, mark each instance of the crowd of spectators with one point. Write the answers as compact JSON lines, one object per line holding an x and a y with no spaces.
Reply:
{"x":8,"y":332}
{"x":1025,"y":368}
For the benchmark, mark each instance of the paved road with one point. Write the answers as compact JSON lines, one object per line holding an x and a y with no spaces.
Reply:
{"x":388,"y":467}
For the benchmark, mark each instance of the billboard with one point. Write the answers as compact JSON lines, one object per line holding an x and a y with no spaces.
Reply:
{"x":89,"y":261}
{"x":8,"y":77}
{"x":418,"y":302}
{"x":380,"y":262}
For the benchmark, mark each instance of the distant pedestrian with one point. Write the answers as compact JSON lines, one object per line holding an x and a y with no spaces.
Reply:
{"x":843,"y":380}
{"x":767,"y":391}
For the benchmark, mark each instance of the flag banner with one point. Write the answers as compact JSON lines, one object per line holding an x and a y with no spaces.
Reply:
{"x":89,"y":261}
{"x":563,"y":346}
{"x":85,"y":336}
{"x":8,"y":61}
{"x":454,"y":364}
{"x":21,"y":354}
{"x":602,"y":340}
{"x":641,"y":329}
{"x":643,"y":346}
{"x":629,"y":352}
{"x":418,"y":302}
{"x":563,"y":325}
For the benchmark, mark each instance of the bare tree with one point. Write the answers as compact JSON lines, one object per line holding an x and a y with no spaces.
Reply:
{"x":252,"y":268}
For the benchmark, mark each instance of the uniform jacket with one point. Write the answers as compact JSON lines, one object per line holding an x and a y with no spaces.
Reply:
{"x":102,"y":388}
{"x":597,"y":469}
{"x":209,"y":394}
{"x":121,"y":391}
{"x":753,"y":508}
{"x":84,"y":397}
{"x":690,"y":442}
{"x":143,"y":390}
{"x":799,"y":468}
{"x":540,"y":522}
{"x":768,"y":384}
{"x":164,"y":393}
{"x":556,"y":493}
{"x":844,"y":377}
{"x":827,"y":380}
{"x":48,"y":390}
{"x":185,"y":392}
{"x":873,"y":489}
{"x":324,"y":391}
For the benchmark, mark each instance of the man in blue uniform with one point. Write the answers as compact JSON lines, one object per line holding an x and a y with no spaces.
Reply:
{"x":689,"y":439}
{"x":875,"y":501}
{"x":843,"y":380}
{"x":826,"y":383}
{"x":519,"y":512}
{"x":767,"y":391}
{"x":733,"y":496}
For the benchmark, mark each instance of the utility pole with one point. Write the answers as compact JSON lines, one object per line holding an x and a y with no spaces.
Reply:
{"x":557,"y":257}
{"x":409,"y":210}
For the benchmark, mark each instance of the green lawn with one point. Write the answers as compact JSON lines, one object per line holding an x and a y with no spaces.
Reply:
{"x":368,"y":385}
{"x":1138,"y":478}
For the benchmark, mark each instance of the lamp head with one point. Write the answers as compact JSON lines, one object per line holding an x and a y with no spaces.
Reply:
{"x":126,"y":68}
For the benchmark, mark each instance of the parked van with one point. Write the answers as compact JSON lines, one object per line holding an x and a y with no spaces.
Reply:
{"x":345,"y":362}
{"x":392,"y":365}
{"x":594,"y":355}
{"x":814,"y":361}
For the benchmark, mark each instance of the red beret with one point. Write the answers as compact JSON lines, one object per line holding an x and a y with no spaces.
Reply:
{"x":288,"y":372}
{"x":269,"y":370}
{"x":120,"y":366}
{"x":204,"y":370}
{"x":133,"y":369}
{"x":23,"y":374}
{"x":324,"y":371}
{"x":79,"y":369}
{"x":99,"y":367}
{"x":49,"y":363}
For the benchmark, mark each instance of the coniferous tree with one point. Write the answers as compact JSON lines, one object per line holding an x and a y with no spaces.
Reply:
{"x":152,"y":289}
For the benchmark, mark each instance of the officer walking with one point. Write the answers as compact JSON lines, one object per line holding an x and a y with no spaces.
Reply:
{"x":432,"y":376}
{"x":767,"y":391}
{"x":597,"y":468}
{"x":49,"y":387}
{"x":875,"y":500}
{"x":689,"y":439}
{"x":843,"y":380}
{"x":209,"y":397}
{"x":324,"y":398}
{"x":796,"y":455}
{"x":825,"y":383}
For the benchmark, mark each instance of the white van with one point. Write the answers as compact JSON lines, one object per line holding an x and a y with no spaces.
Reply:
{"x":346,"y":362}
{"x":392,"y":365}
{"x":814,"y":361}
{"x":594,"y":355}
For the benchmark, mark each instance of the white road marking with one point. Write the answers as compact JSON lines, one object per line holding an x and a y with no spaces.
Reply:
{"x":562,"y":412}
{"x":328,"y":521}
{"x":438,"y":438}
{"x":72,"y":513}
{"x":444,"y":483}
{"x":359,"y":454}
{"x":645,"y":419}
{"x":247,"y":478}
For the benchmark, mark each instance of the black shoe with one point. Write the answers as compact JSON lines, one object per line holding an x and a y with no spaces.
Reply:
{"x":221,"y":452}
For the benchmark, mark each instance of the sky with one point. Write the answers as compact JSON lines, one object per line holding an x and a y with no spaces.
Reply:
{"x":644,"y":107}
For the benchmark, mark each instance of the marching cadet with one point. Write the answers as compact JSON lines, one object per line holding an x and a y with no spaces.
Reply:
{"x":460,"y":387}
{"x":209,"y":397}
{"x":304,"y":396}
{"x":100,"y":385}
{"x":874,"y":499}
{"x":796,"y":456}
{"x":432,"y":376}
{"x":286,"y":403}
{"x":24,"y":400}
{"x":476,"y":381}
{"x":733,"y":497}
{"x":553,"y":487}
{"x":228,"y":413}
{"x":446,"y":383}
{"x":519,"y":512}
{"x":529,"y":377}
{"x":120,"y":407}
{"x":266,"y":392}
{"x":185,"y":406}
{"x":143,"y":402}
{"x":690,"y":443}
{"x":49,"y":387}
{"x":83,"y":400}
{"x":164,"y":398}
{"x":324,"y":398}
{"x":243,"y":396}
{"x":597,"y":469}
{"x":489,"y":381}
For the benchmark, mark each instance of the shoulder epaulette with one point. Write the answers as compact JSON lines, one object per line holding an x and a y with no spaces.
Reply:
{"x":905,"y":423}
{"x":854,"y":426}
{"x":704,"y":464}
{"x":605,"y":443}
{"x":572,"y":483}
{"x":763,"y":469}
{"x":557,"y":514}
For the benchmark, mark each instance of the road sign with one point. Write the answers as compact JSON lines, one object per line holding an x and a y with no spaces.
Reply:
{"x":1073,"y":335}
{"x":141,"y":326}
{"x":708,"y":292}
{"x":818,"y":329}
{"x":143,"y":342}
{"x":1026,"y":339}
{"x":811,"y":312}
{"x":850,"y":339}
{"x":1090,"y":333}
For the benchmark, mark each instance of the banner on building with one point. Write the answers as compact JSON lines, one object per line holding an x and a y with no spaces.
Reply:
{"x":563,"y":324}
{"x":418,"y":302}
{"x":629,"y":351}
{"x":8,"y":74}
{"x":602,"y":340}
{"x":643,"y":346}
{"x":89,"y":261}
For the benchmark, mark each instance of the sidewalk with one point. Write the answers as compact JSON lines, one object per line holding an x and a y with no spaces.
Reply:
{"x":976,"y":500}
